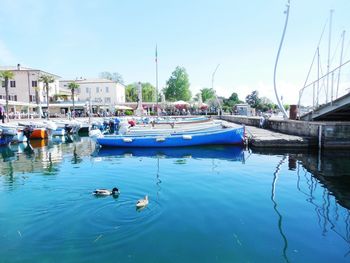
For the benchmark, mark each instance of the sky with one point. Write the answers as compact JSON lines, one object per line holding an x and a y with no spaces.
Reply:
{"x":81,"y":38}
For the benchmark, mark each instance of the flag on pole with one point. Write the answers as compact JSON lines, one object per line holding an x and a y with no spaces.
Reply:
{"x":156,"y":55}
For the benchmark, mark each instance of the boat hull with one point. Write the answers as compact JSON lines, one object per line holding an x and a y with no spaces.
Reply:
{"x":224,"y":136}
{"x":58,"y":132}
{"x":39,"y":133}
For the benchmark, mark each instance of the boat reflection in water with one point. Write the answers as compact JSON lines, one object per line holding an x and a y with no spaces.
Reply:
{"x":42,"y":156}
{"x":230,"y":153}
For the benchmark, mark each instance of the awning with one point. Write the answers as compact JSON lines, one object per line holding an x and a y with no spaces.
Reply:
{"x":181,"y":102}
{"x":122,"y":107}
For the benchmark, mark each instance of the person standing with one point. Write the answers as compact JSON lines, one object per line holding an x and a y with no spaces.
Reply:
{"x":2,"y":113}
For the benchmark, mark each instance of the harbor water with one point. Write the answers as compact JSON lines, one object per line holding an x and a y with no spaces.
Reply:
{"x":206,"y":204}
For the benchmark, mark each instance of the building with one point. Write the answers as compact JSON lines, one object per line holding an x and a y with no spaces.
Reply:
{"x":25,"y":86}
{"x":101,"y":92}
{"x":243,"y":109}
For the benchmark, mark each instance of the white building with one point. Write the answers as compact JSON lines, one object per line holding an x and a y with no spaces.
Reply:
{"x":101,"y":91}
{"x":25,"y":85}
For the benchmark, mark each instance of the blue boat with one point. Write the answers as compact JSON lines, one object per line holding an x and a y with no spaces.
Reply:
{"x":223,"y":136}
{"x":6,"y":135}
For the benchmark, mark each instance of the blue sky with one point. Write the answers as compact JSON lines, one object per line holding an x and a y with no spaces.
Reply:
{"x":82,"y":38}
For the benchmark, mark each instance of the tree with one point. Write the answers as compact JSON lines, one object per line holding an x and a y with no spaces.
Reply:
{"x":266,"y":104}
{"x":115,"y":76}
{"x":198,"y":97}
{"x":207,"y":94}
{"x":6,"y":75}
{"x":232,"y":101}
{"x":253,"y":99}
{"x":73,"y":86}
{"x":148,"y":92}
{"x":131,"y":92}
{"x":178,"y":86}
{"x":47,"y":79}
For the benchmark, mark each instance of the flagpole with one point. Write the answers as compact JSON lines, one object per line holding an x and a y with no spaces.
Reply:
{"x":157,"y":80}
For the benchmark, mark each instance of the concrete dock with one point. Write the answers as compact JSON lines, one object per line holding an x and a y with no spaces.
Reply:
{"x":257,"y":137}
{"x":294,"y":133}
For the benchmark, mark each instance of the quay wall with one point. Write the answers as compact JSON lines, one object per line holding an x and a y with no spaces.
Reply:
{"x":333,"y":134}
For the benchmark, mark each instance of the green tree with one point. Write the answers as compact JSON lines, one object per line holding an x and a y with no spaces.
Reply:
{"x":232,"y":101}
{"x":207,"y":94}
{"x":115,"y":76}
{"x":73,"y":86}
{"x":131,"y":92}
{"x":266,"y":104}
{"x":6,"y":75}
{"x":253,"y":99}
{"x":148,"y":92}
{"x":178,"y":86}
{"x":47,"y":79}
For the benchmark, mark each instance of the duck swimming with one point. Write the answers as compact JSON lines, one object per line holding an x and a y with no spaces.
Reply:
{"x":142,"y":202}
{"x":105,"y":192}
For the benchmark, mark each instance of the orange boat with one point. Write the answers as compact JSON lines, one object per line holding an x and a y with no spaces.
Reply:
{"x":39,"y":143}
{"x":39,"y":133}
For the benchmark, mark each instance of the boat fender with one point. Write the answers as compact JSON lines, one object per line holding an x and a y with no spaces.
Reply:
{"x":160,"y":139}
{"x":187,"y":137}
{"x":127,"y":140}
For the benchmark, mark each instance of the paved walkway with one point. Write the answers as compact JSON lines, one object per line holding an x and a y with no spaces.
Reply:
{"x":258,"y":137}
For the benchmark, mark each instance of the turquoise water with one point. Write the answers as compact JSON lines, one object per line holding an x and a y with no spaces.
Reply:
{"x":207,"y":204}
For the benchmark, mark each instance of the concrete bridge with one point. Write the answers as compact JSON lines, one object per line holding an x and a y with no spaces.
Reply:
{"x":337,"y":110}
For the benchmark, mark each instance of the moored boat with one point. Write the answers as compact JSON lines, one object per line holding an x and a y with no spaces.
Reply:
{"x":39,"y":133}
{"x":6,"y":135}
{"x":222,"y":136}
{"x":58,"y":132}
{"x":18,"y":131}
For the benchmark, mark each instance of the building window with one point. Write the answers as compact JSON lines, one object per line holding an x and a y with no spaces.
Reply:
{"x":34,"y":83}
{"x":3,"y":84}
{"x":97,"y":89}
{"x":107,"y":89}
{"x":107,"y":100}
{"x":87,"y":89}
{"x":15,"y":98}
{"x":12,"y":83}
